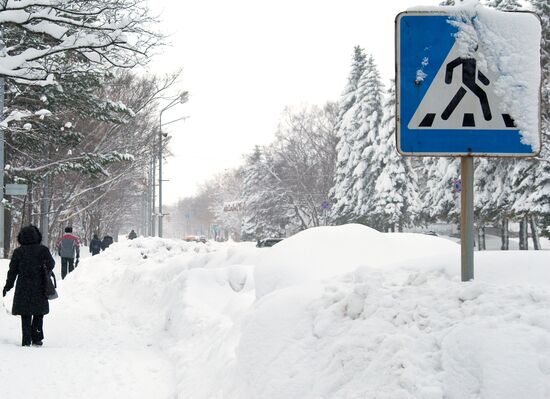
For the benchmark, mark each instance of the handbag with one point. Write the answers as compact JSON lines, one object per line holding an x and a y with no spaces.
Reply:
{"x":50,"y":284}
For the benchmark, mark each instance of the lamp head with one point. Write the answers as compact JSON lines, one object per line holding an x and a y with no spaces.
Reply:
{"x":184,"y":96}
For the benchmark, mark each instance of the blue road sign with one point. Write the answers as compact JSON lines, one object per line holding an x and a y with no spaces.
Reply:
{"x":447,"y":105}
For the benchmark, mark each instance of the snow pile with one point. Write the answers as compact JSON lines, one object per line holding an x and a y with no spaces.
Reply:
{"x":325,"y":252}
{"x":378,"y":334}
{"x":186,"y":297}
{"x":333,"y":312}
{"x":396,"y":322}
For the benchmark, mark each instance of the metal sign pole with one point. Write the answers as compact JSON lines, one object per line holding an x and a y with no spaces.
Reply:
{"x":467,"y":218}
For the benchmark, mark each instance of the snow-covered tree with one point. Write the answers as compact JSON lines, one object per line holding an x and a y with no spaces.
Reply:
{"x":395,"y":200}
{"x":305,"y":153}
{"x":227,"y":204}
{"x":45,"y":38}
{"x":264,"y":205}
{"x":439,"y":199}
{"x":358,"y":133}
{"x":504,"y":5}
{"x":95,"y":167}
{"x":57,"y":57}
{"x":341,"y":194}
{"x":367,"y":115}
{"x":348,"y":97}
{"x":493,"y":194}
{"x":286,"y":183}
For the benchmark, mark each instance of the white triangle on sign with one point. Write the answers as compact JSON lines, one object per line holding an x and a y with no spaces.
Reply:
{"x":468,"y":101}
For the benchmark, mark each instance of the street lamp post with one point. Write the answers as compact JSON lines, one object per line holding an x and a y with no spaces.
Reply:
{"x":180,"y":99}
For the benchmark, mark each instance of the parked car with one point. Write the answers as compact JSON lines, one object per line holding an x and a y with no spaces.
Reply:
{"x":268,"y":242}
{"x":192,"y":238}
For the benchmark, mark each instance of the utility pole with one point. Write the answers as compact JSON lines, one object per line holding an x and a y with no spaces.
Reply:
{"x":160,"y":175}
{"x":2,"y":254}
{"x":153,"y":193}
{"x":149,"y":199}
{"x":180,"y":99}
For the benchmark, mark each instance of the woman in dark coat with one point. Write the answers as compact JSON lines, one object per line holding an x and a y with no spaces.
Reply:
{"x":27,"y":265}
{"x":95,"y":245}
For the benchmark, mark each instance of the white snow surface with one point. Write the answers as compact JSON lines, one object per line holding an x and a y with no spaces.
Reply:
{"x":332,"y":312}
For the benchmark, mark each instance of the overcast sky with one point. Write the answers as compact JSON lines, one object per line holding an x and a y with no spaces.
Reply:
{"x":245,"y":60}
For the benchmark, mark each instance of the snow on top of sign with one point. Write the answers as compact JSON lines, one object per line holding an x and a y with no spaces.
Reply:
{"x":508,"y":44}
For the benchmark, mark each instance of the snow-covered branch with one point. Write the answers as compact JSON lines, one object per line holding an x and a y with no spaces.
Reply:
{"x":115,"y":33}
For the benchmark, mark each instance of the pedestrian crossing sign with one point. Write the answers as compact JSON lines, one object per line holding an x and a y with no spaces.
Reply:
{"x":449,"y":104}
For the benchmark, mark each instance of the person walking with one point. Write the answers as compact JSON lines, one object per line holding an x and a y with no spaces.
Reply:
{"x":68,"y":245}
{"x":107,"y":240}
{"x":95,"y":245}
{"x":27,"y":265}
{"x":132,"y":235}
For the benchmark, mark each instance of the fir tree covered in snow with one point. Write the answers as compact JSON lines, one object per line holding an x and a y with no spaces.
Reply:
{"x":358,"y":134}
{"x":395,"y":199}
{"x":367,"y":115}
{"x":504,"y":5}
{"x":264,"y":210}
{"x":493,"y":196}
{"x":349,"y":94}
{"x":439,"y":199}
{"x":341,"y":192}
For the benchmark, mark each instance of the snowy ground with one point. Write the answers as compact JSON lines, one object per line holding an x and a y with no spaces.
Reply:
{"x":493,"y":243}
{"x":333,"y":312}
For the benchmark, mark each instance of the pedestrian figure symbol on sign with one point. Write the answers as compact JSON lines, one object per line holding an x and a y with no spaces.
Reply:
{"x":469,"y":69}
{"x":467,"y":99}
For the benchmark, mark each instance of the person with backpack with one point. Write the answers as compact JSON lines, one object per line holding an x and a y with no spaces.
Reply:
{"x":95,"y":245}
{"x":68,"y":245}
{"x":28,"y":264}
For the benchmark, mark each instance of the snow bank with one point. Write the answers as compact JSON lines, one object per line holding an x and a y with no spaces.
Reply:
{"x":186,"y":296}
{"x":323,"y":252}
{"x":374,"y":334}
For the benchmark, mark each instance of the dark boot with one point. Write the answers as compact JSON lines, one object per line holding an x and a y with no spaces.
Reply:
{"x":26,"y":328}
{"x":37,"y":335}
